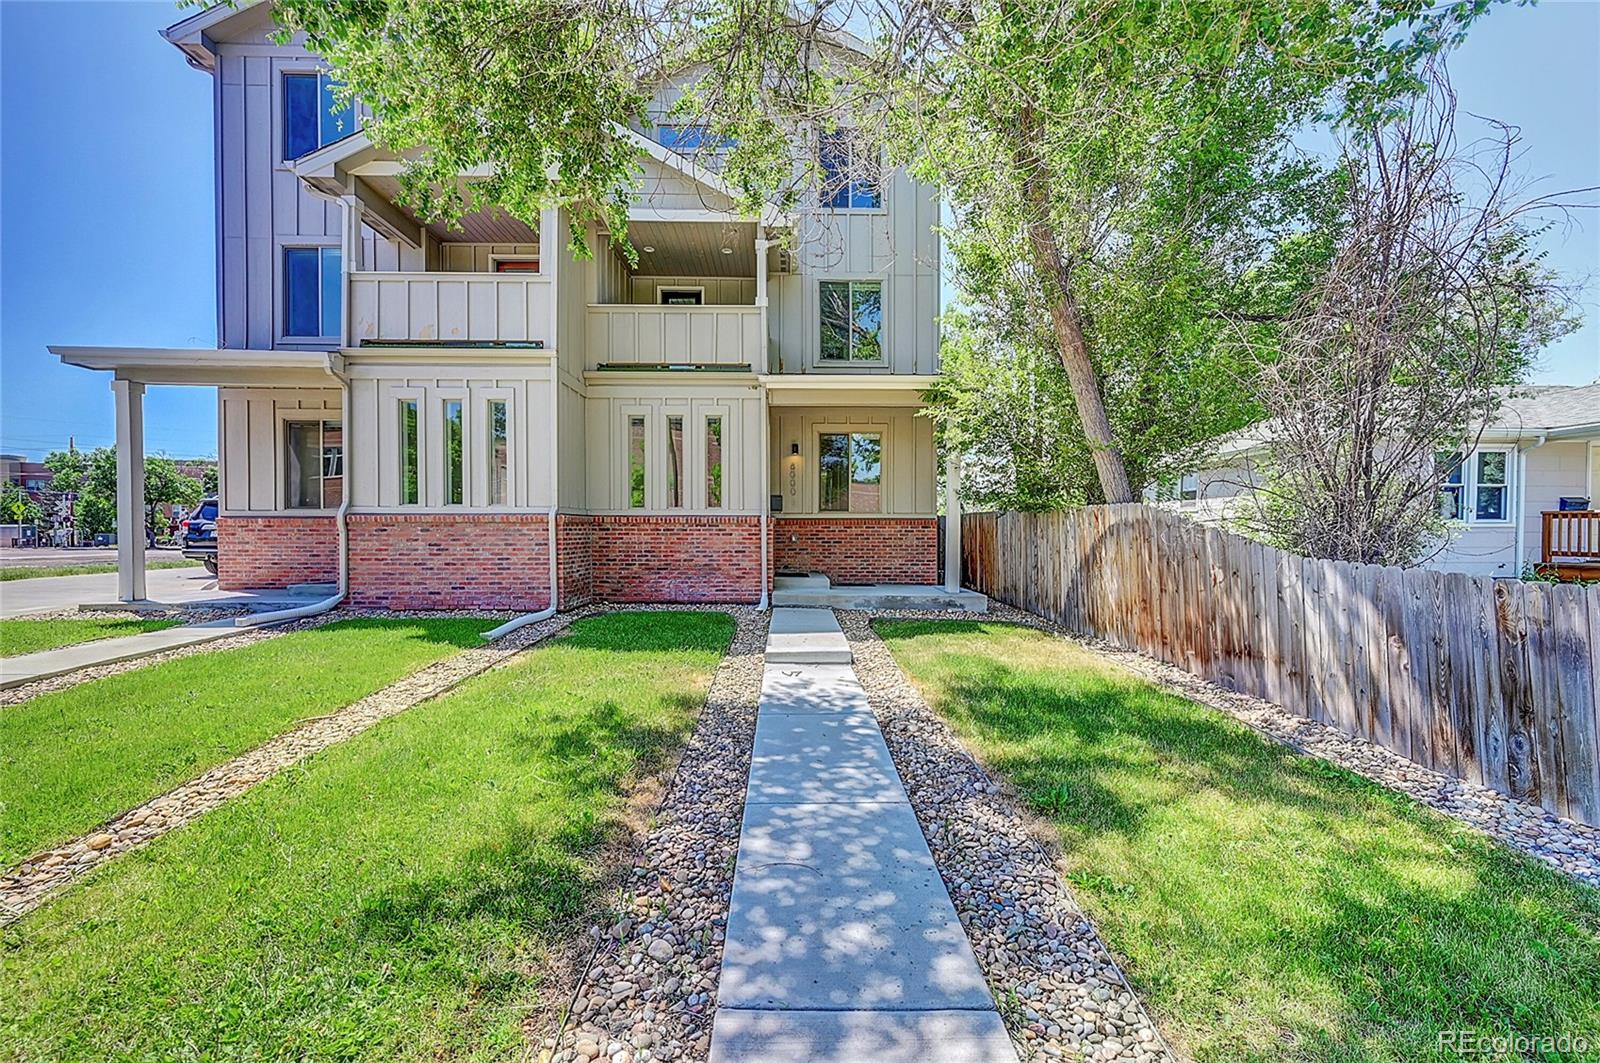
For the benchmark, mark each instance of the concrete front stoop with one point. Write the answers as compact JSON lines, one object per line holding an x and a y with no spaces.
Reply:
{"x":818,"y":592}
{"x":842,"y":944}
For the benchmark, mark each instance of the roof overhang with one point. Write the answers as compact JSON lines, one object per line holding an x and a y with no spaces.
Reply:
{"x":197,"y":36}
{"x":847,"y":389}
{"x":203,"y":367}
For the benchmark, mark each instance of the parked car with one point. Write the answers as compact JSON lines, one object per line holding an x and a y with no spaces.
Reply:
{"x":197,"y":533}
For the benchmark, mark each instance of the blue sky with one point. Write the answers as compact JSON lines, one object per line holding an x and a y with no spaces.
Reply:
{"x":106,"y":201}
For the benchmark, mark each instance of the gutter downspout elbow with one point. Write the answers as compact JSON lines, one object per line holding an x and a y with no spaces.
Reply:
{"x":555,"y":503}
{"x":281,"y":616}
{"x":1519,"y":549}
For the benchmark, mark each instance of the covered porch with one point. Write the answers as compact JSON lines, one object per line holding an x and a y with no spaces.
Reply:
{"x":133,"y":370}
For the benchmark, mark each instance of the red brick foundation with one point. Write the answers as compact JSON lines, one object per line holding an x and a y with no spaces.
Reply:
{"x":275,"y":552}
{"x":859,"y":549}
{"x":660,"y":559}
{"x":450,"y":561}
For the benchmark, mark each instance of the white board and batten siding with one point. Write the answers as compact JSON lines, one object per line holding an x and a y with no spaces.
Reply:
{"x":483,"y":307}
{"x":609,"y":409}
{"x":909,"y":459}
{"x":376,"y":393}
{"x":633,"y":334}
{"x":250,"y":470}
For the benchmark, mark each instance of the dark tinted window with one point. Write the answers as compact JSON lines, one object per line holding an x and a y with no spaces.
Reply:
{"x":302,"y":303}
{"x":207,"y":510}
{"x":300,"y":119}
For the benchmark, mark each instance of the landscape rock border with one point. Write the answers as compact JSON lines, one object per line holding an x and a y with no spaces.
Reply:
{"x":648,"y":990}
{"x":1059,"y":989}
{"x":33,"y":881}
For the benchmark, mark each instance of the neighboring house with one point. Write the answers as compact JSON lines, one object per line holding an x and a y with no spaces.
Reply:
{"x":32,"y":476}
{"x":477,"y":400}
{"x":1525,"y":496}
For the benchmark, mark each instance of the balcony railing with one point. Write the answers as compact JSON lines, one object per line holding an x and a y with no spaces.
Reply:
{"x":646,"y":334}
{"x":1570,"y":543}
{"x":450,"y":307}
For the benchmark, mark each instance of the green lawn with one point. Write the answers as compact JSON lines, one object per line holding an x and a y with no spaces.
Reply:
{"x":24,"y":572}
{"x":398,"y":896}
{"x":72,"y":759}
{"x":1269,"y":905}
{"x":31,"y":636}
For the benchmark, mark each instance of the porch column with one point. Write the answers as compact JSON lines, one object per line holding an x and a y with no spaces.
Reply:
{"x":952,"y":522}
{"x":759,"y":360}
{"x":130,"y":489}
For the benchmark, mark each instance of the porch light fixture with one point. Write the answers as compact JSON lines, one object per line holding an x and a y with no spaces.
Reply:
{"x":727,"y":250}
{"x":794,"y":449}
{"x":647,"y":249}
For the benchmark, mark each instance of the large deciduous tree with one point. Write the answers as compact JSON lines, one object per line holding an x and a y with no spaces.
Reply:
{"x":1130,"y":159}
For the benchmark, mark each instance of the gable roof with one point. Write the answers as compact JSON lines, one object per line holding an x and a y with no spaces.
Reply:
{"x":1551,"y":408}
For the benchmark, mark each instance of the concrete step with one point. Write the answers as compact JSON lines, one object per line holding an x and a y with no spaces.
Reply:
{"x":806,"y":636}
{"x":816,"y":581}
{"x":884,"y":596}
{"x":313,"y":590}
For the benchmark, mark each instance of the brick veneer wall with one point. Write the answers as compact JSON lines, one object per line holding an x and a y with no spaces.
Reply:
{"x":276,"y":551}
{"x":676,"y":559}
{"x":575,"y":534}
{"x":860,"y":549}
{"x":444,"y":561}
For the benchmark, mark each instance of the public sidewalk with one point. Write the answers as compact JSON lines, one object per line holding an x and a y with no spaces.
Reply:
{"x":30,"y":667}
{"x":842,"y":943}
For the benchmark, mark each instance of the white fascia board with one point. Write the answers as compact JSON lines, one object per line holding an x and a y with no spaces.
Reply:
{"x":770,"y":215}
{"x":202,"y":366}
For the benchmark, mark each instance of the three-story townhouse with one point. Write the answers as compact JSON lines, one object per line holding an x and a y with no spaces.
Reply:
{"x":473,"y":416}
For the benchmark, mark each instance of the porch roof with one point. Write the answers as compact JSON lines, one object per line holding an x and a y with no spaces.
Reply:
{"x":846,"y":389}
{"x":206,"y":367}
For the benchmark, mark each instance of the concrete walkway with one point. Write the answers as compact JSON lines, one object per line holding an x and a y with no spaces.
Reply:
{"x":842,"y":944}
{"x":14,"y":671}
{"x":163,"y":587}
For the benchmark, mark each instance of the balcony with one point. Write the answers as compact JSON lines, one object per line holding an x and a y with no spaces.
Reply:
{"x":450,"y":308}
{"x":645,"y":334}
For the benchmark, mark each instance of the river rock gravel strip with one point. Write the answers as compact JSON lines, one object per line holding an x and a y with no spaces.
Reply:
{"x":32,"y":882}
{"x":649,"y":993}
{"x":1567,"y":846}
{"x":1058,"y":988}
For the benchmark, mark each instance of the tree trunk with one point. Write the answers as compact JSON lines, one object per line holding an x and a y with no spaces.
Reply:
{"x":1068,"y":322}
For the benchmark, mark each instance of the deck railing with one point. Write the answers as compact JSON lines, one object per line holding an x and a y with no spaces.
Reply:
{"x":1570,"y":535}
{"x":646,"y":334}
{"x":450,"y":307}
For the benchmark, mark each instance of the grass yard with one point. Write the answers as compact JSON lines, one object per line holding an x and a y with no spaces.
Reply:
{"x":31,"y":636}
{"x":1269,"y":905}
{"x":24,"y":572}
{"x":399,"y":896}
{"x":72,"y":759}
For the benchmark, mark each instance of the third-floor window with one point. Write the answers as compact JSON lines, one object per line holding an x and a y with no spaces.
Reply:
{"x":850,"y":173}
{"x":312,"y":115}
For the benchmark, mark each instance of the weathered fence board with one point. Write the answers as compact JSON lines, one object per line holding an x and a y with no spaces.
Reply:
{"x":1493,"y":681}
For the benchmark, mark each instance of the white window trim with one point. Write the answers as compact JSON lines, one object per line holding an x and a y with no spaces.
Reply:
{"x":390,"y":445}
{"x":815,"y":488}
{"x":819,"y":362}
{"x":1469,"y":488}
{"x":495,"y":260}
{"x":280,"y":471}
{"x":883,"y":185}
{"x":280,"y":131}
{"x":478,"y":475}
{"x":438,"y":459}
{"x":701,"y":288}
{"x":654,"y":486}
{"x":700,"y":495}
{"x":280,"y":291}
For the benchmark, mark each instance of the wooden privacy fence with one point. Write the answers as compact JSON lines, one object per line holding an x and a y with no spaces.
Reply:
{"x":1493,"y":681}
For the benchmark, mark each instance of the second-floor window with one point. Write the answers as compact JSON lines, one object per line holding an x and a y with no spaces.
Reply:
{"x":852,"y":321}
{"x":850,"y":173}
{"x":311,"y":287}
{"x":312,"y":115}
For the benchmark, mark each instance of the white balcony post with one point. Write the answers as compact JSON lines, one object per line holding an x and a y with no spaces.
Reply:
{"x":129,"y":398}
{"x":353,"y":255}
{"x":952,"y":522}
{"x":759,"y":358}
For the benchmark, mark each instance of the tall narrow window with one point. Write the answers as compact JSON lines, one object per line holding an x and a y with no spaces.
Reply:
{"x":713,"y":462}
{"x":1489,"y":500}
{"x":313,"y":117}
{"x":850,"y":468}
{"x":499,"y":452}
{"x":674,"y":462}
{"x":635,"y":462}
{"x":454,"y":460}
{"x":1452,"y":485}
{"x":311,"y":291}
{"x":852,"y":321}
{"x":313,"y":464}
{"x":410,"y":481}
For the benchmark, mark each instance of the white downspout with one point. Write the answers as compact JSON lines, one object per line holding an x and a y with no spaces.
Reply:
{"x":555,"y":466}
{"x":764,"y":518}
{"x":1519,"y":551}
{"x":279,"y":616}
